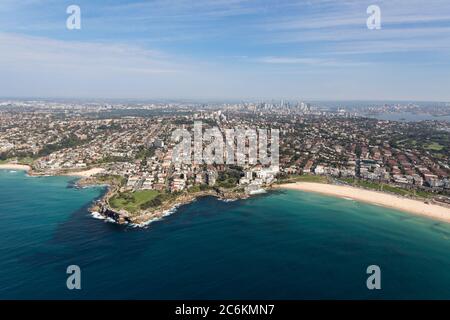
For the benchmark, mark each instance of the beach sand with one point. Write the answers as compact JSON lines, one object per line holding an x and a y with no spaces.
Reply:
{"x":13,"y":166}
{"x":85,"y":173}
{"x":374,"y":197}
{"x":82,"y":174}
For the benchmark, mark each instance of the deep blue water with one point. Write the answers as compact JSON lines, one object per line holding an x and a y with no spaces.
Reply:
{"x":282,"y":245}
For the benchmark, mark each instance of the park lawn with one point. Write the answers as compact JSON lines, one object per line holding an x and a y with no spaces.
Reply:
{"x":387,"y":188}
{"x":25,"y":160}
{"x":434,"y":146}
{"x":406,"y":192}
{"x":368,"y":184}
{"x":308,"y":178}
{"x":112,"y":179}
{"x":399,"y":191}
{"x":227,"y":184}
{"x":303,"y":178}
{"x":381,"y":187}
{"x":131,"y":201}
{"x":347,"y":180}
{"x":199,"y":188}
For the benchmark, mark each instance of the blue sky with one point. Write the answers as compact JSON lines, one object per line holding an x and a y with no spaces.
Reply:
{"x":226,"y":49}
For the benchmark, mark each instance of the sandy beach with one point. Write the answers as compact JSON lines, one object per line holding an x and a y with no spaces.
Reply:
{"x":85,"y":173}
{"x":374,"y":197}
{"x":81,"y":174}
{"x":13,"y":166}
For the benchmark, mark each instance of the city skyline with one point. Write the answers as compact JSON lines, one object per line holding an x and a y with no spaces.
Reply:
{"x":311,"y":50}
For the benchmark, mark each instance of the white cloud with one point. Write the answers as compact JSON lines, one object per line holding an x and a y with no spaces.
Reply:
{"x":406,"y":25}
{"x":311,"y":62}
{"x":36,"y":52}
{"x":290,"y":60}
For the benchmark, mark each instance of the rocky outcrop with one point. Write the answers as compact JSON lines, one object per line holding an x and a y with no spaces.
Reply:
{"x":120,"y":217}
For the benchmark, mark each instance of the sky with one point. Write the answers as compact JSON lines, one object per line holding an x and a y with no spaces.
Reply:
{"x":226,"y":49}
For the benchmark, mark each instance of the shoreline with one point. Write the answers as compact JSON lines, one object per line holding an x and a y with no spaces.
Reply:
{"x":101,"y":208}
{"x":83,"y":174}
{"x":14,"y":166}
{"x":23,"y":167}
{"x":146,"y":217}
{"x":386,"y":200}
{"x":412,"y":206}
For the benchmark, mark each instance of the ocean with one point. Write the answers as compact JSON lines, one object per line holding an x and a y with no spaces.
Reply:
{"x":280,"y":245}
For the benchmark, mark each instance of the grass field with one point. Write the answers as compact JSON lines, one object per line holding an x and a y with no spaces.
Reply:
{"x":386,"y":188}
{"x":112,"y":179}
{"x":434,"y":146}
{"x":199,"y":188}
{"x":132,"y":201}
{"x":26,"y":160}
{"x":304,"y":178}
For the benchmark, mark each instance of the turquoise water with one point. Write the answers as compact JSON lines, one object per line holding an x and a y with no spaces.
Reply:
{"x":282,"y":245}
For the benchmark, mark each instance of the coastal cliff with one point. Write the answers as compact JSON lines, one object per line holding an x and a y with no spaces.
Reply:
{"x":144,"y":216}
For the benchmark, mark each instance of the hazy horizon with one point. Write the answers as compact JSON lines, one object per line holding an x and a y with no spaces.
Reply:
{"x":214,"y":100}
